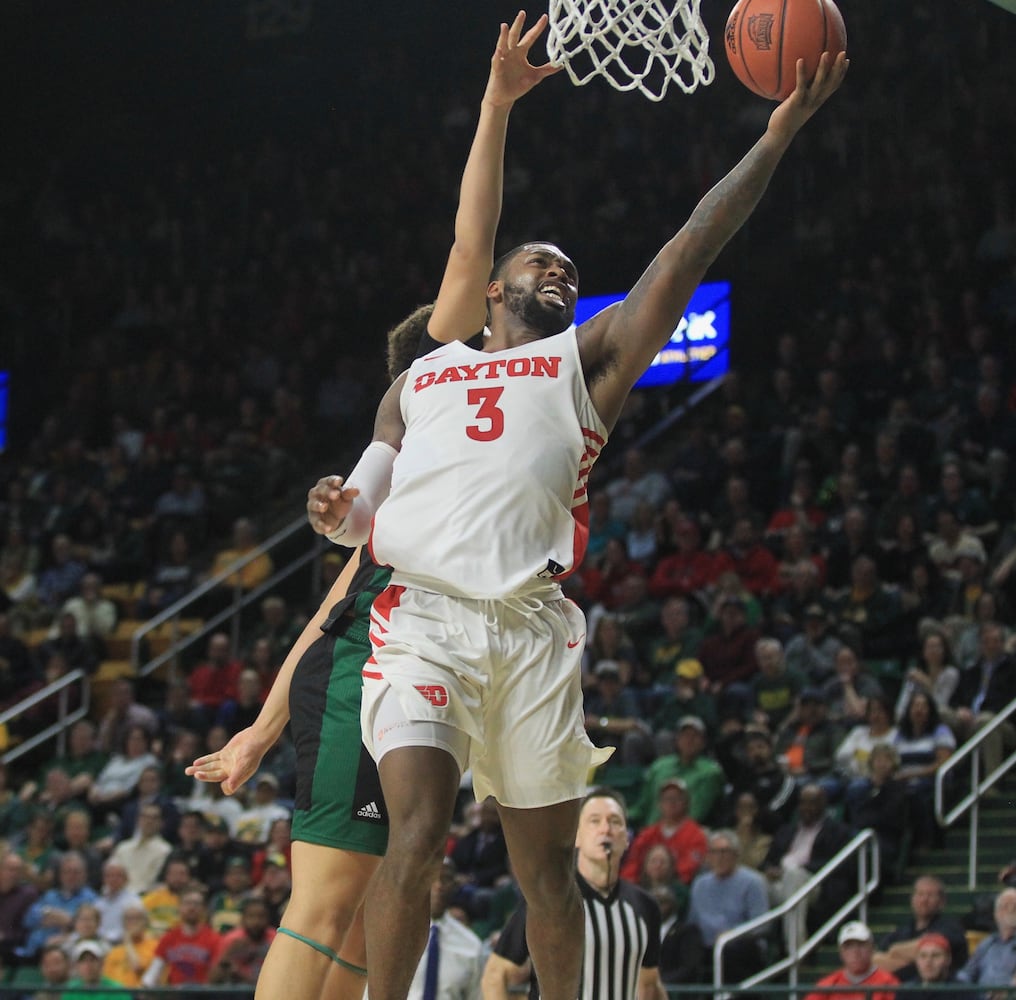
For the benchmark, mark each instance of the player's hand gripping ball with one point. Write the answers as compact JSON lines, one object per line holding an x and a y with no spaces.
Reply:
{"x":765,"y":38}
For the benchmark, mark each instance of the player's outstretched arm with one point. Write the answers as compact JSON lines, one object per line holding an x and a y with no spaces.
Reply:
{"x":238,"y":761}
{"x":460,"y":308}
{"x":621,"y":344}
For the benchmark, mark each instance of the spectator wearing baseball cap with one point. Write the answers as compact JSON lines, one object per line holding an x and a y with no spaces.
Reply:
{"x":676,"y":831}
{"x":216,"y":849}
{"x":858,"y":974}
{"x":275,"y":886}
{"x":700,"y":772}
{"x":813,"y":650}
{"x":87,"y":958}
{"x":613,"y":718}
{"x":226,"y":905}
{"x":254,"y":823}
{"x":689,"y":695}
{"x":807,"y":741}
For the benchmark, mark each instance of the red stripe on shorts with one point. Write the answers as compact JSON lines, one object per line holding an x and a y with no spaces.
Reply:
{"x":388,"y":599}
{"x":381,"y":611}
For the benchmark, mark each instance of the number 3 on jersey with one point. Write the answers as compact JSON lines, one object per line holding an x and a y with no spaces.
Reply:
{"x":487,"y":410}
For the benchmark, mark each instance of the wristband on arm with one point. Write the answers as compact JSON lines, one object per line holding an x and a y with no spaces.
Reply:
{"x":373,"y":478}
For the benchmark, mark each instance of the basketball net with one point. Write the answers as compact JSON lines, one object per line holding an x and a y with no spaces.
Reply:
{"x":635,"y":44}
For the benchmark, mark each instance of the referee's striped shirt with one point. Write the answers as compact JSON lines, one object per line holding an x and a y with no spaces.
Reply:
{"x":622,"y":937}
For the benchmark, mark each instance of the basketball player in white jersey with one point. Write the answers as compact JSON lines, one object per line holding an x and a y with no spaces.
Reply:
{"x":474,"y":490}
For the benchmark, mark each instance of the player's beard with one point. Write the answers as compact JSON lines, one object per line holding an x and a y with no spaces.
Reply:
{"x":525,"y":304}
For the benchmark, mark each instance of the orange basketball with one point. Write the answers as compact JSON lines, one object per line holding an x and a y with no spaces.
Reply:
{"x":765,"y":38}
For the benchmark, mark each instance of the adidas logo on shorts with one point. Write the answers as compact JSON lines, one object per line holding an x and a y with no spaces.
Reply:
{"x":369,"y":811}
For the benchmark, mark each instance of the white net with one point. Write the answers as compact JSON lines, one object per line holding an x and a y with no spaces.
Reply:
{"x":636,"y":44}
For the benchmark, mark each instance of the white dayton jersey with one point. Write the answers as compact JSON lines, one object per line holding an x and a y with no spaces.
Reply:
{"x":488,"y":494}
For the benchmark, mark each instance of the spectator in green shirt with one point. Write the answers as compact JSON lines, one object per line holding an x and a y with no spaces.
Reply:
{"x":701,"y":774}
{"x":88,"y":957}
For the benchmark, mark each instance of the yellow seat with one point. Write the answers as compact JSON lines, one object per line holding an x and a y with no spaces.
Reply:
{"x":124,"y":595}
{"x":33,"y":637}
{"x":118,"y":645}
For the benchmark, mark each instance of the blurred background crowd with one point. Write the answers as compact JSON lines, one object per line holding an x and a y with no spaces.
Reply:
{"x":817,"y":559}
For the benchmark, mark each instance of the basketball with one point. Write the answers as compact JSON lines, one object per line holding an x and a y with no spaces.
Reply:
{"x":765,"y":38}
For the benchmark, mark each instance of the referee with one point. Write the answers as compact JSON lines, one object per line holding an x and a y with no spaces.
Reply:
{"x":622,"y":948}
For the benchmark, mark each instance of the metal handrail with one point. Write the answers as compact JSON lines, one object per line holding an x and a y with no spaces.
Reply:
{"x":680,"y":411}
{"x":61,"y":687}
{"x":865,"y":847}
{"x":179,"y":642}
{"x":978,"y":785}
{"x":241,"y":599}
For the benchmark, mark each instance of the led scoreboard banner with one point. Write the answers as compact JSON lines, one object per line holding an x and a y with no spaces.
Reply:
{"x":699,"y":347}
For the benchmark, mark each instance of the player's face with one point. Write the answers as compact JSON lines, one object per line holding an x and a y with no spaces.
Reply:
{"x":541,"y":288}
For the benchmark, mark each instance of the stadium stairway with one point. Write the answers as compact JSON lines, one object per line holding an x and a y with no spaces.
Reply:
{"x":949,"y":863}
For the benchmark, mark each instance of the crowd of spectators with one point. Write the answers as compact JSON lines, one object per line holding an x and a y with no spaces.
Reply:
{"x":800,"y":597}
{"x":107,"y":865}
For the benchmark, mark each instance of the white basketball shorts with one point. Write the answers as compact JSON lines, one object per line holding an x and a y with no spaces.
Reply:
{"x":506,"y":674}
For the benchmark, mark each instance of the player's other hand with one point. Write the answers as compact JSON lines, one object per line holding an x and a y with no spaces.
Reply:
{"x":328,"y":503}
{"x":511,"y":72}
{"x":233,"y":765}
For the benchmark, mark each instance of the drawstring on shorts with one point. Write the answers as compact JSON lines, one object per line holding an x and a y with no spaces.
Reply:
{"x":525,"y":606}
